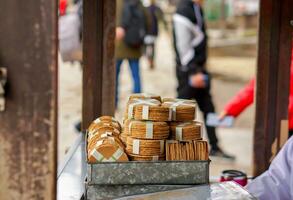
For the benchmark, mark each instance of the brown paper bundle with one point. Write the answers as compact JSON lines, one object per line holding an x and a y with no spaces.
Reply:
{"x":144,"y":96}
{"x":186,"y":130}
{"x":145,"y":147}
{"x":104,"y":121}
{"x":146,"y":109}
{"x":180,"y":109}
{"x":148,"y":130}
{"x":133,"y":157}
{"x":106,"y":150}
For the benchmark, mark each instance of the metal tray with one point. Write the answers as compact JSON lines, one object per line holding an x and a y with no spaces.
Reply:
{"x":149,"y":173}
{"x":117,"y":179}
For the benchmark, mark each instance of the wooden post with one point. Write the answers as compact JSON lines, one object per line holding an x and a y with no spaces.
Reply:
{"x":99,"y":63}
{"x":273,"y":78}
{"x":28,"y":127}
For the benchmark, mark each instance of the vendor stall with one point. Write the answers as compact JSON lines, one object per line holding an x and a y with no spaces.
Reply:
{"x":28,"y":120}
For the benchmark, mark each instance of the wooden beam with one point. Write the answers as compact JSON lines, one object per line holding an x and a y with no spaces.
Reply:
{"x":273,"y":78}
{"x":28,"y":127}
{"x":99,"y":63}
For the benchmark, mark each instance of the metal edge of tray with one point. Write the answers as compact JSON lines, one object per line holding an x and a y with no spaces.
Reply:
{"x":225,"y":190}
{"x":97,"y":192}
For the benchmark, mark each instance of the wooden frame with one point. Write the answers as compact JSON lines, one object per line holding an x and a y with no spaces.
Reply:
{"x":273,"y":79}
{"x":28,"y":48}
{"x":28,"y":133}
{"x":99,"y":63}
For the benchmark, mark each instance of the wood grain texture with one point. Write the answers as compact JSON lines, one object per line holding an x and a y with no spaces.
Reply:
{"x":99,"y":62}
{"x":28,"y":127}
{"x":273,"y":78}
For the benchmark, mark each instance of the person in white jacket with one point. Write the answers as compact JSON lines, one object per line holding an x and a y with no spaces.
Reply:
{"x":277,"y":182}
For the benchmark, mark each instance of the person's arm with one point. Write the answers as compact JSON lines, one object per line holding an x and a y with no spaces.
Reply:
{"x":277,"y":182}
{"x":242,"y":100}
{"x":187,"y":36}
{"x":120,"y":31}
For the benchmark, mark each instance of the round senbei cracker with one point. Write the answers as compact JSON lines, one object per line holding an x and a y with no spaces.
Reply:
{"x":148,"y":130}
{"x":103,"y":130}
{"x":104,"y":120}
{"x":145,"y":147}
{"x":109,"y":139}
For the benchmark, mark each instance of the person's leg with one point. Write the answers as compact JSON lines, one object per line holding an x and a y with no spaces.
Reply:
{"x":206,"y":105}
{"x":118,"y":67}
{"x":134,"y":66}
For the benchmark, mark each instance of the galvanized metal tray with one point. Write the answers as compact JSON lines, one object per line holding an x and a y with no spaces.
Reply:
{"x":117,"y":179}
{"x":149,"y":173}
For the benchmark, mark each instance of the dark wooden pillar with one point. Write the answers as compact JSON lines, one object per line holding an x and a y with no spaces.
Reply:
{"x":28,"y":127}
{"x":99,"y":63}
{"x":273,"y":78}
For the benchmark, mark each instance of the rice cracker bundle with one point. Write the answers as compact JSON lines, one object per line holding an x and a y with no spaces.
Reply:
{"x":144,"y":147}
{"x":186,"y":130}
{"x":146,"y":109}
{"x":180,"y":109}
{"x":148,"y":130}
{"x":186,"y":150}
{"x":103,"y":142}
{"x":105,"y":129}
{"x":106,"y":150}
{"x":104,"y":121}
{"x":144,"y":96}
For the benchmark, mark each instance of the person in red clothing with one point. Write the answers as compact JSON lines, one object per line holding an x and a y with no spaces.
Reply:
{"x":62,"y":7}
{"x":245,"y":97}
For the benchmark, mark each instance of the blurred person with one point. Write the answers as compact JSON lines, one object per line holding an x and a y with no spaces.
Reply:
{"x":156,"y":15}
{"x":245,"y":97}
{"x":130,"y":32}
{"x":194,"y":82}
{"x":276,"y":182}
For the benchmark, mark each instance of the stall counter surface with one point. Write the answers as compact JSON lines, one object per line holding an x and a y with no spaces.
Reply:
{"x":217,"y":191}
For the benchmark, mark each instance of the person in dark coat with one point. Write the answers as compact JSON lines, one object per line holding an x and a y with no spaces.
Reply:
{"x":125,"y":51}
{"x":194,"y":81}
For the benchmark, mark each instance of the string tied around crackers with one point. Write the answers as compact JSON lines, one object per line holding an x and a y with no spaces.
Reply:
{"x":145,"y":109}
